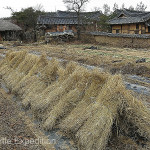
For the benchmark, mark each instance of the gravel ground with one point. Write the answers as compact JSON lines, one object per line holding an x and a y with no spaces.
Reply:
{"x":14,"y":133}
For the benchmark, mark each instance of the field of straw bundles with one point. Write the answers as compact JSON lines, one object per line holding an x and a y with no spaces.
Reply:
{"x":114,"y":60}
{"x":91,"y":107}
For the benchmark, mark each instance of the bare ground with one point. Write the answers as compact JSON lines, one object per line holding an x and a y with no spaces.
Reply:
{"x":14,"y":132}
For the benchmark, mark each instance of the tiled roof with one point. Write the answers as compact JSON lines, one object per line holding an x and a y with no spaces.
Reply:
{"x":64,"y":17}
{"x":56,"y":20}
{"x":8,"y":26}
{"x":130,"y":17}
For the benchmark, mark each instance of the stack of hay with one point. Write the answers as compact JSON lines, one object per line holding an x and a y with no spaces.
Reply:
{"x":92,"y":107}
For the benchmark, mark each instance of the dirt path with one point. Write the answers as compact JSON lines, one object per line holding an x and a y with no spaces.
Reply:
{"x":14,"y":132}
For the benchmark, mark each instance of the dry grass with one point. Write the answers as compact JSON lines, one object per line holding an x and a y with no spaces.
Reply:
{"x":34,"y":67}
{"x":29,"y":61}
{"x":113,"y":59}
{"x":10,"y":63}
{"x":101,"y":117}
{"x":78,"y":115}
{"x":69,"y":100}
{"x":92,"y":107}
{"x":60,"y":91}
{"x":42,"y":102}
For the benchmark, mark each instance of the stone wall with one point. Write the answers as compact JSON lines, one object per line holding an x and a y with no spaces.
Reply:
{"x":120,"y":40}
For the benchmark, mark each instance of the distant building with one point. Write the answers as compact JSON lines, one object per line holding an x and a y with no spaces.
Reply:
{"x":131,"y":22}
{"x":8,"y":30}
{"x":63,"y":20}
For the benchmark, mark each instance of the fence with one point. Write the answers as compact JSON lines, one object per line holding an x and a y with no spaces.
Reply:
{"x":123,"y":40}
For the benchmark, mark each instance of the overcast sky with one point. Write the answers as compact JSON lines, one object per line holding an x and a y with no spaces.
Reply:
{"x":52,"y":5}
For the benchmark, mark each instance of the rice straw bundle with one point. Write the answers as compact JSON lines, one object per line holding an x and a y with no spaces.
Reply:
{"x":137,"y":115}
{"x":36,"y":87}
{"x":27,"y":64}
{"x":50,"y":73}
{"x":55,"y":95}
{"x":68,"y":101}
{"x":33,"y":85}
{"x":30,"y":63}
{"x":9,"y":56}
{"x":62,"y":75}
{"x":111,"y":102}
{"x":6,"y":60}
{"x":17,"y":59}
{"x":78,"y":116}
{"x":13,"y":78}
{"x":39,"y":65}
{"x":93,"y":107}
{"x":101,"y":116}
{"x":70,"y":68}
{"x":6,"y":65}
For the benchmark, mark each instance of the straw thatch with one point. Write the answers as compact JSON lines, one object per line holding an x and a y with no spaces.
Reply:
{"x":8,"y":26}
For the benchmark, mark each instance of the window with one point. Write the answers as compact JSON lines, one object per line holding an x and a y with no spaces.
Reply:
{"x":148,"y":28}
{"x":137,"y":26}
{"x":122,"y":16}
{"x":60,"y":27}
{"x":117,"y":30}
{"x":70,"y":27}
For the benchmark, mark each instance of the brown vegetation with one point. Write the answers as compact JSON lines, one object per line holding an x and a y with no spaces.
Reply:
{"x":115,"y":60}
{"x":90,"y":106}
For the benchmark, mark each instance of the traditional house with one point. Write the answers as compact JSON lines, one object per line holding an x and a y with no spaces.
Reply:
{"x":8,"y":30}
{"x":63,"y":20}
{"x":131,"y":22}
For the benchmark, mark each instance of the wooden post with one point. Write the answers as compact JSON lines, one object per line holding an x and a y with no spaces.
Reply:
{"x":121,"y":28}
{"x":128,"y":28}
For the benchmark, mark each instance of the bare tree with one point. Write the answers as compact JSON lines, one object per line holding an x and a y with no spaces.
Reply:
{"x":10,"y":8}
{"x":76,"y":6}
{"x":141,"y":7}
{"x":123,"y":6}
{"x":115,"y":7}
{"x":106,"y":9}
{"x":97,"y":9}
{"x":131,"y":8}
{"x":39,"y":7}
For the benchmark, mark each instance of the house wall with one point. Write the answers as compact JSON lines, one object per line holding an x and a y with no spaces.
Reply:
{"x":9,"y":35}
{"x":1,"y":37}
{"x":61,"y":28}
{"x":123,"y":41}
{"x":125,"y":28}
{"x":116,"y":27}
{"x":130,"y":29}
{"x":147,"y":30}
{"x":51,"y":29}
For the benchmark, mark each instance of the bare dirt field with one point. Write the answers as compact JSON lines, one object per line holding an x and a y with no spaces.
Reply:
{"x":14,"y":132}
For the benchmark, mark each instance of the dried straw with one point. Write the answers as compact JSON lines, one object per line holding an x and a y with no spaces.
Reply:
{"x":68,"y":101}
